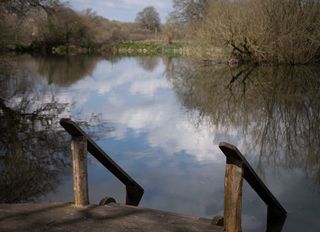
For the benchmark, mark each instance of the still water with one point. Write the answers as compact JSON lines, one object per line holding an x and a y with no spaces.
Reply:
{"x":161,"y":119}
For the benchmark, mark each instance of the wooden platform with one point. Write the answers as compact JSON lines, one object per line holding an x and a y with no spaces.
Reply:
{"x":113,"y":217}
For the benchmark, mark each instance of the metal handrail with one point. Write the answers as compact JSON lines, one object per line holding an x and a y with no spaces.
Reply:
{"x":134,"y":191}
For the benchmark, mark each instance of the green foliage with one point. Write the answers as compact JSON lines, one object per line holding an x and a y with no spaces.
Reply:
{"x":60,"y":50}
{"x":21,"y":48}
{"x":88,"y":45}
{"x":148,"y":48}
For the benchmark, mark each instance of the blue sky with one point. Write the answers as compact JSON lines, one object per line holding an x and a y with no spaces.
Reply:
{"x":122,"y":10}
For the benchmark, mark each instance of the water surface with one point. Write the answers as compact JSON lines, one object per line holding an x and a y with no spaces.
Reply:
{"x":161,"y":119}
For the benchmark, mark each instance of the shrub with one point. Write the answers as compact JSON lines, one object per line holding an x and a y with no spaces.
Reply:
{"x":60,"y":50}
{"x":275,"y":31}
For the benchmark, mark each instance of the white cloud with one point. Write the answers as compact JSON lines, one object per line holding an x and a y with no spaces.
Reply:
{"x":144,"y":3}
{"x":148,"y":87}
{"x":123,"y":10}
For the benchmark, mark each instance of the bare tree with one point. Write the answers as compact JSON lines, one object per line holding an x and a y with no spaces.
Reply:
{"x":257,"y":31}
{"x":22,"y":7}
{"x":169,"y":32}
{"x":187,"y":11}
{"x":148,"y":18}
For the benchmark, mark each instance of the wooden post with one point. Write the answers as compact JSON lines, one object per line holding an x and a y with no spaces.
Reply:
{"x":134,"y":190}
{"x":237,"y":169}
{"x":80,"y":175}
{"x":233,"y":196}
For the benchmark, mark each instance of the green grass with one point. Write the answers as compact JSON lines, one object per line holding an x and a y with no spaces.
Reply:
{"x":147,"y":48}
{"x":61,"y":50}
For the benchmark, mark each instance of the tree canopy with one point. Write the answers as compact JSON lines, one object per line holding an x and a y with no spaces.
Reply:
{"x":188,"y":11}
{"x":148,"y":18}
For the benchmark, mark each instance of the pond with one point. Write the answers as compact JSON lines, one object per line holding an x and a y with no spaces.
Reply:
{"x":161,"y":119}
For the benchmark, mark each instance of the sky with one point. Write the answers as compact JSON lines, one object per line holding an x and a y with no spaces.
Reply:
{"x":122,"y":10}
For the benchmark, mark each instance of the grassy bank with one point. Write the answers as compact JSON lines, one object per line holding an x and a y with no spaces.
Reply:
{"x":137,"y":48}
{"x":148,"y":48}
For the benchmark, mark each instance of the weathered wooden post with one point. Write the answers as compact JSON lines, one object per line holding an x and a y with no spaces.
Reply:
{"x":238,"y":168}
{"x":81,"y":142}
{"x":233,"y":195}
{"x":80,"y":175}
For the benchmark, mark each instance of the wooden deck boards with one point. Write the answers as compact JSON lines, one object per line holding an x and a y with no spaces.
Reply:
{"x":54,"y":217}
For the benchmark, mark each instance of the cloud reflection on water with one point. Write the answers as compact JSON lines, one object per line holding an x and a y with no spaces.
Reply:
{"x":133,"y":98}
{"x":165,"y":134}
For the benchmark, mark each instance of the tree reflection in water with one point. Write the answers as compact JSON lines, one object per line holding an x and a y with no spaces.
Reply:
{"x":148,"y":63}
{"x":276,"y":108}
{"x":34,"y":155}
{"x":34,"y":150}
